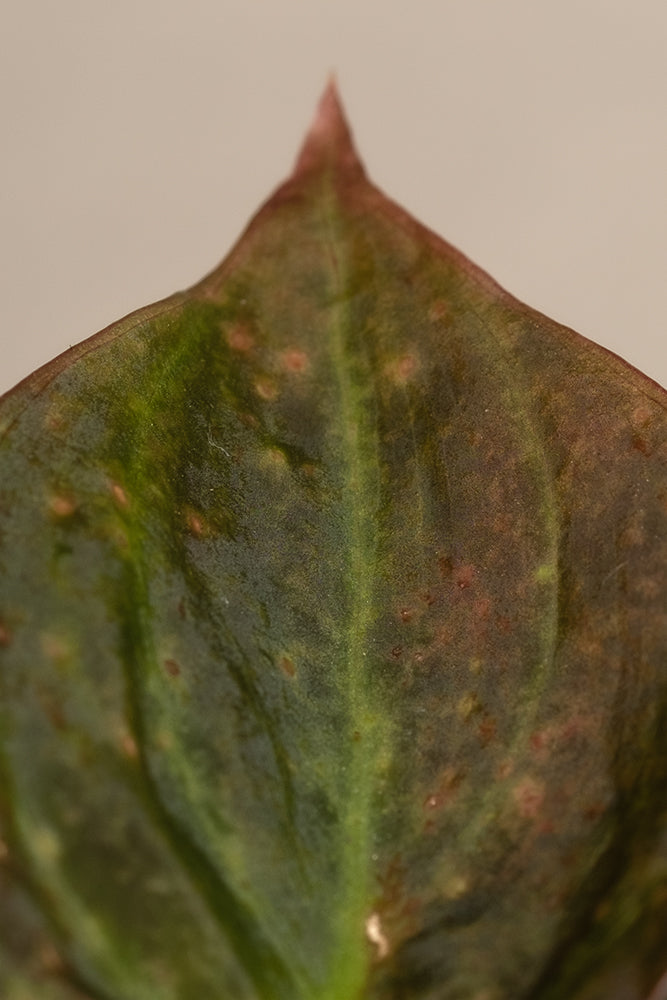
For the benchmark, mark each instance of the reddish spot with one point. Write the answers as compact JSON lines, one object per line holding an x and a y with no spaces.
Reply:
{"x":195,"y":523}
{"x":309,"y":470}
{"x":240,"y":338}
{"x":295,"y":361}
{"x":172,"y":668}
{"x":641,"y":416}
{"x":129,"y":745}
{"x":482,"y":608}
{"x":640,"y":444}
{"x":62,"y":506}
{"x":396,"y":652}
{"x":405,"y":366}
{"x":529,"y":797}
{"x":547,"y":828}
{"x":249,"y":420}
{"x":464,"y":576}
{"x":438,"y":310}
{"x":538,"y":741}
{"x":406,"y":615}
{"x":5,"y":635}
{"x":594,"y":812}
{"x":287,"y":666}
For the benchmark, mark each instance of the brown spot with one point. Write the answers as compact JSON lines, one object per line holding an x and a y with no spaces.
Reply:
{"x":5,"y":635}
{"x":172,"y":668}
{"x":445,"y":565}
{"x":529,"y":797}
{"x":50,"y":961}
{"x":129,"y":746}
{"x":356,"y":736}
{"x":594,"y":812}
{"x":119,"y":494}
{"x":294,"y":360}
{"x":240,"y":338}
{"x":287,"y":666}
{"x":641,"y":445}
{"x":265,"y":388}
{"x":428,"y":598}
{"x":4,"y":851}
{"x":406,"y":615}
{"x":396,"y":652}
{"x":486,"y":730}
{"x":62,"y":507}
{"x":249,"y":420}
{"x":503,"y":624}
{"x":181,"y":609}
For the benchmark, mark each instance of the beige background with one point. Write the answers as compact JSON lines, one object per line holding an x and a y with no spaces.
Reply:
{"x":139,"y":135}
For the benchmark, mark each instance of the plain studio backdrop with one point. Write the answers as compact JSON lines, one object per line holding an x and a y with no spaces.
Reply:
{"x":139,"y":136}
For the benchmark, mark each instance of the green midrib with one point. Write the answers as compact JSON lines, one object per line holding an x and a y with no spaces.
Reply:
{"x":367,"y":734}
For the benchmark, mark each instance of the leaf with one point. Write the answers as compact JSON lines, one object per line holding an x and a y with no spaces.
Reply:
{"x":334,"y":634}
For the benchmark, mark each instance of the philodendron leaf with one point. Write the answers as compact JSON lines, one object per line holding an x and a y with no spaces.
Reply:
{"x":334,"y":635}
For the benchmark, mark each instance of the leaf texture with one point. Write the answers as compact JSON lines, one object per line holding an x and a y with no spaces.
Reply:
{"x":333,"y":634}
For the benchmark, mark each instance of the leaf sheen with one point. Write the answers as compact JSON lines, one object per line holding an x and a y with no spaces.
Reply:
{"x":333,"y":634}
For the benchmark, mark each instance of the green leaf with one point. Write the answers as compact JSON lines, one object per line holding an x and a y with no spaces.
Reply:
{"x":333,"y":633}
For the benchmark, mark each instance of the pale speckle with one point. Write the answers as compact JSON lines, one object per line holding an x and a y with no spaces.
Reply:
{"x":119,"y":494}
{"x":456,"y":887}
{"x":55,"y":648}
{"x":375,"y":935}
{"x":46,"y":845}
{"x":265,"y":389}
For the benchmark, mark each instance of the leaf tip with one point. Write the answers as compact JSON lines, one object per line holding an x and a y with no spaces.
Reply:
{"x":328,"y":142}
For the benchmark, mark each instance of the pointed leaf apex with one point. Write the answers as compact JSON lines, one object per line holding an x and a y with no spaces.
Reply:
{"x":329,"y":140}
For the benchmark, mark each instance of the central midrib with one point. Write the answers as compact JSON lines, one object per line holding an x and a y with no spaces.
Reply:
{"x":362,"y":745}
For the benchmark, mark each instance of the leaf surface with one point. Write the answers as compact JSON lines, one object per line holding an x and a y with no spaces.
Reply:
{"x":333,"y":634}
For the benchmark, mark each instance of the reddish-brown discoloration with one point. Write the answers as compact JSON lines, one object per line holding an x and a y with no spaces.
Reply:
{"x":172,"y":668}
{"x":240,"y":338}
